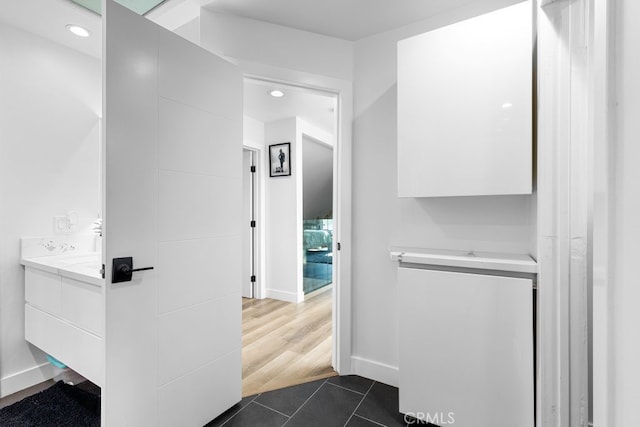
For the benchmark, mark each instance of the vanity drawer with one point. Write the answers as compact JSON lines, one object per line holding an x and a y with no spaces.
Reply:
{"x":43,"y":290}
{"x":76,"y":348}
{"x":82,"y":305}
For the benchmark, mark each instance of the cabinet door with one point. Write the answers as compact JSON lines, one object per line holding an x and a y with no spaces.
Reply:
{"x":466,"y":348}
{"x":43,"y":290}
{"x":465,"y":107}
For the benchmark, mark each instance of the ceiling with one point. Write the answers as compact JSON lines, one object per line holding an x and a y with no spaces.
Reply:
{"x":50,"y":20}
{"x":345,"y":19}
{"x":314,"y":107}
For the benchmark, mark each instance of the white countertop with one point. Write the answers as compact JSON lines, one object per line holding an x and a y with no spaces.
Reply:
{"x":519,"y":263}
{"x":84,"y":266}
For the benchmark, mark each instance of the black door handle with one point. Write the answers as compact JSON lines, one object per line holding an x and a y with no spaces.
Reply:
{"x":123,"y":269}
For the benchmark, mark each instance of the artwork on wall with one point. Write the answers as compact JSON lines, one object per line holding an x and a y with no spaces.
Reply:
{"x":280,"y":159}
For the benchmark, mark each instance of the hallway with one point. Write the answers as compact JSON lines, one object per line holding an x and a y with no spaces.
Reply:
{"x":284,"y":344}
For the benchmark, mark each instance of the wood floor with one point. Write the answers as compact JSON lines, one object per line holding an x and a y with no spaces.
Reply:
{"x":284,"y":344}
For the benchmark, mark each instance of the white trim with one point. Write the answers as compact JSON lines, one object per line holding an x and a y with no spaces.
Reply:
{"x":260,"y":218}
{"x":513,"y":263}
{"x":565,"y":132}
{"x":377,"y":371}
{"x":29,"y":377}
{"x":603,"y":155}
{"x":284,"y":296}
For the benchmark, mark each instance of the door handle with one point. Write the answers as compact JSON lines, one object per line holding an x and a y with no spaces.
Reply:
{"x":123,"y":269}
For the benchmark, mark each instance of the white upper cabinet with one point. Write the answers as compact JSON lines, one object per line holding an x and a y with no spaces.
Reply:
{"x":465,"y":107}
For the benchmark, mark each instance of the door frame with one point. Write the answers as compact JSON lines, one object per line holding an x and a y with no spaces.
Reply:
{"x":259,"y":216}
{"x":342,"y":175}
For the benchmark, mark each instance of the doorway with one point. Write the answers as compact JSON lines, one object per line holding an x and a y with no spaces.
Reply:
{"x":317,"y":196}
{"x":285,"y":317}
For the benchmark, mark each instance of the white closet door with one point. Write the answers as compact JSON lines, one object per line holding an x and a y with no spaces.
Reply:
{"x":247,"y":230}
{"x":173,"y":153}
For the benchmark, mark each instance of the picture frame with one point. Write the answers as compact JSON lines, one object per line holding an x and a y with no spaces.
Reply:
{"x":280,"y":159}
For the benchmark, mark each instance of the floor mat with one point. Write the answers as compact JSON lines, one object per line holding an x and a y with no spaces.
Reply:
{"x":61,"y":405}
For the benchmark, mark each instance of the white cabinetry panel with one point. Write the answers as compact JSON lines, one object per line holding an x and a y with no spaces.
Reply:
{"x":82,"y":305}
{"x":465,"y":107}
{"x":42,"y":290}
{"x":466,"y":348}
{"x":77,"y":348}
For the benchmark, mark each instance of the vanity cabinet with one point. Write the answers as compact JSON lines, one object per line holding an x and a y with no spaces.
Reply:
{"x":466,"y":348}
{"x":64,"y":317}
{"x":466,"y":335}
{"x":465,"y":107}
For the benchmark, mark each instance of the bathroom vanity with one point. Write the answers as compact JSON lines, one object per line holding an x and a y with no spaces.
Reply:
{"x":64,"y":303}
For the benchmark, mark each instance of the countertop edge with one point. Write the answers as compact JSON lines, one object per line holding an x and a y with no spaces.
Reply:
{"x":63,"y":272}
{"x":518,"y":263}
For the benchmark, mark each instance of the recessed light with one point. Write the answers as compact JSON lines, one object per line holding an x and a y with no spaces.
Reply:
{"x":78,"y":30}
{"x":507,"y":105}
{"x":276,"y":93}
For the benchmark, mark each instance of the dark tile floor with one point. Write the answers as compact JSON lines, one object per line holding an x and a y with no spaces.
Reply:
{"x":345,"y":401}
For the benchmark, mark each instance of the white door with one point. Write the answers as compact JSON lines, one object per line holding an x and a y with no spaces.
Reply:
{"x":173,"y":153}
{"x":248,"y":225}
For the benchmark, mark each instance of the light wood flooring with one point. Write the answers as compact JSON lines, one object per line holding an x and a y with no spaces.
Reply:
{"x":285,"y":344}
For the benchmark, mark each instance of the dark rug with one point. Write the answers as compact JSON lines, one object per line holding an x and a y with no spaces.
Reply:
{"x":61,"y":405}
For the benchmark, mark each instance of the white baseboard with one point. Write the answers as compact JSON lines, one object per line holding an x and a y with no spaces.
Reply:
{"x":380,"y":372}
{"x":27,"y":378}
{"x":284,"y":296}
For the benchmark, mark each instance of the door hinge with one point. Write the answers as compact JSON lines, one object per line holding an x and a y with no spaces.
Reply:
{"x":338,"y":246}
{"x":102,"y":271}
{"x":253,"y":224}
{"x":253,"y":279}
{"x":253,"y":169}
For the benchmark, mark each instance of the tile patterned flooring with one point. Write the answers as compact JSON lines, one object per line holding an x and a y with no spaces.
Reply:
{"x":344,"y":401}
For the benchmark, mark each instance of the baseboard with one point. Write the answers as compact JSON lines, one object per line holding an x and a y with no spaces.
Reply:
{"x":27,"y":378}
{"x":284,"y":296}
{"x":380,"y":372}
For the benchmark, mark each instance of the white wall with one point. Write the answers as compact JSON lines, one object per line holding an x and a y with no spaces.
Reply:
{"x":50,"y":101}
{"x":381,"y":220}
{"x":190,"y":31}
{"x":284,"y":208}
{"x":317,"y":180}
{"x":253,"y":133}
{"x":283,"y":222}
{"x":624,"y":295}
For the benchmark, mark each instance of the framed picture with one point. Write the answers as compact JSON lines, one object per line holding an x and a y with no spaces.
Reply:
{"x":280,"y":159}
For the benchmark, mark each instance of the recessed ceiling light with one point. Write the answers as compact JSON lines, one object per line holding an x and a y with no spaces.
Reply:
{"x":507,"y":105}
{"x":276,"y":93}
{"x":78,"y":30}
